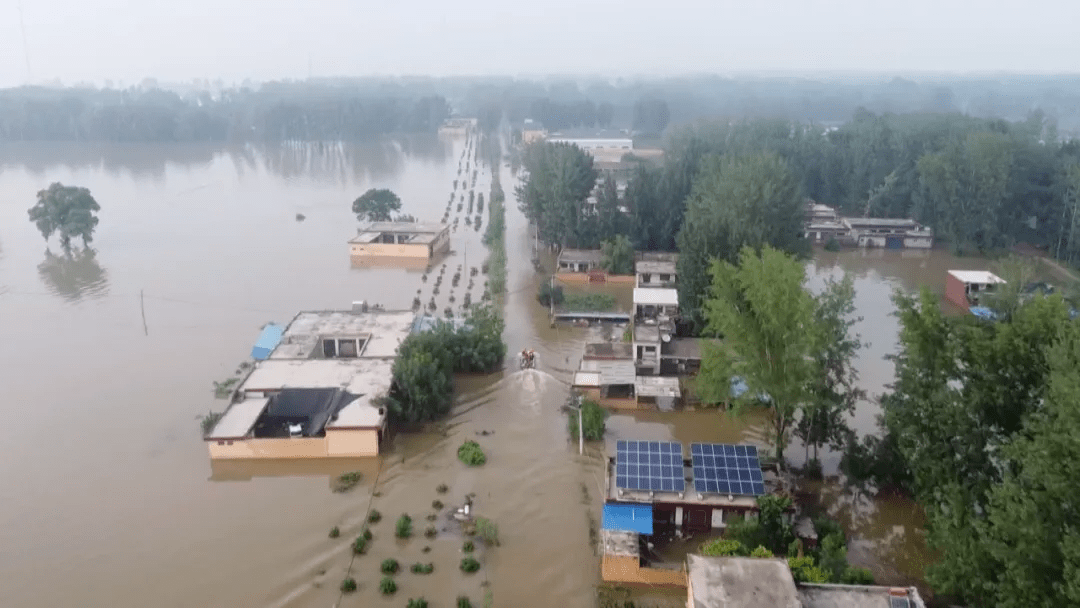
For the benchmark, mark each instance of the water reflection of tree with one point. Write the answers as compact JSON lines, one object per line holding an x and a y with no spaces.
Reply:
{"x":138,"y":159}
{"x":74,"y":275}
{"x":344,"y":162}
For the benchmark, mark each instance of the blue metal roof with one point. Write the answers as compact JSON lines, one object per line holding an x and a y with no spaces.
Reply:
{"x":631,"y":518}
{"x":268,"y":341}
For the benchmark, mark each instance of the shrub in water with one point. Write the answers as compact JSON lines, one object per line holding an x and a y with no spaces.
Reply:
{"x":431,"y":532}
{"x":469,"y":564}
{"x":374,"y":516}
{"x":403,"y":527}
{"x":436,"y":504}
{"x":471,"y":454}
{"x":389,"y":566}
{"x":419,"y":568}
{"x":335,"y":532}
{"x":366,"y":533}
{"x":468,"y":547}
{"x":348,"y":585}
{"x":359,"y":545}
{"x":487,"y":530}
{"x":442,"y":488}
{"x":721,"y":547}
{"x":417,"y":603}
{"x":387,"y":585}
{"x":463,"y":602}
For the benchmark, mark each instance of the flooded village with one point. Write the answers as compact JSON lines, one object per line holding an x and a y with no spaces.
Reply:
{"x":243,"y":271}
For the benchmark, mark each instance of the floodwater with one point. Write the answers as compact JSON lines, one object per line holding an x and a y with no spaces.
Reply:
{"x":108,"y":358}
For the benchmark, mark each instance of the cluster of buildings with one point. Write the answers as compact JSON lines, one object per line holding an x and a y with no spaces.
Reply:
{"x":645,"y":370}
{"x":317,"y":387}
{"x":822,"y":224}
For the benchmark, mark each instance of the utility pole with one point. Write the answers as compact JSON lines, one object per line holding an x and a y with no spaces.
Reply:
{"x":551,"y":298}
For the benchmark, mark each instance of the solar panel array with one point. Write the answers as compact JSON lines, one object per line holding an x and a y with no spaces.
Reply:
{"x":655,"y":466}
{"x":721,"y":468}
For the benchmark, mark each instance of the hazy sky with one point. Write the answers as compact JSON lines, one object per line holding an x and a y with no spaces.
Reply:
{"x":78,"y":40}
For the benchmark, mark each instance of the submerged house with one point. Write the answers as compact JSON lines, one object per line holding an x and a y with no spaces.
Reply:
{"x":400,"y":239}
{"x":656,"y":270}
{"x":964,"y":288}
{"x":606,"y":374}
{"x":579,"y":260}
{"x":318,"y":393}
{"x":822,"y":224}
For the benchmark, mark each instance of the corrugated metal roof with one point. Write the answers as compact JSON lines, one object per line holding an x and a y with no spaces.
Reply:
{"x":630,"y":518}
{"x":591,"y":379}
{"x":976,"y":276}
{"x":615,"y":372}
{"x":656,"y":386}
{"x":652,"y":296}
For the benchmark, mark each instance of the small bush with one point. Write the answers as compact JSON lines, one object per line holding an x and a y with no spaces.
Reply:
{"x":208,"y":421}
{"x":387,"y":586}
{"x":832,"y":244}
{"x":468,"y":547}
{"x":426,"y":550}
{"x":722,"y":547}
{"x":442,"y":488}
{"x":857,"y":576}
{"x":803,"y":570}
{"x":347,"y":481}
{"x":469,"y":564}
{"x":431,"y":532}
{"x":588,"y":302}
{"x":359,"y":545}
{"x":471,"y":454}
{"x":761,"y":552}
{"x":335,"y":532}
{"x":431,"y":516}
{"x":463,"y":602}
{"x":348,"y":585}
{"x":417,"y":603}
{"x":403,"y":527}
{"x":487,"y":530}
{"x":366,"y":533}
{"x":389,"y":566}
{"x":546,"y":293}
{"x":419,"y":568}
{"x":374,"y":516}
{"x":436,"y":504}
{"x":593,"y":417}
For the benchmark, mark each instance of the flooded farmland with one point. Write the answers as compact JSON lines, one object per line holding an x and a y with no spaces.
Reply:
{"x":111,"y":499}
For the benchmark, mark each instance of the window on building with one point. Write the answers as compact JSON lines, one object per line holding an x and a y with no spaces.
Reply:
{"x":646,"y":277}
{"x":665,"y":278}
{"x":347,"y":348}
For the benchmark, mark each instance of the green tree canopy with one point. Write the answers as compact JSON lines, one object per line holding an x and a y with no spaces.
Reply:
{"x":618,"y":255}
{"x":752,"y":200}
{"x":770,"y":334}
{"x":69,"y":211}
{"x":560,"y":178}
{"x":376,"y":205}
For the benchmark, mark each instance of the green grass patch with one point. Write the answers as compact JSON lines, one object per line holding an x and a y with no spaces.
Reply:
{"x":389,"y":566}
{"x":347,"y":481}
{"x":348,"y":585}
{"x":468,"y":547}
{"x":387,"y":586}
{"x":359,"y":545}
{"x":417,"y":603}
{"x":588,"y":302}
{"x":487,"y":530}
{"x":208,"y":421}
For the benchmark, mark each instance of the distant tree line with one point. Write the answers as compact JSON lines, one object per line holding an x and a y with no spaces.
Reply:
{"x":273,"y":112}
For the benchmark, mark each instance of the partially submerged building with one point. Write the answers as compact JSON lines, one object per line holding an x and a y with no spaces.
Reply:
{"x":655,"y":312}
{"x":657,"y":270}
{"x":400,"y":239}
{"x":594,"y":141}
{"x":822,"y":224}
{"x":965,"y":288}
{"x":579,"y":260}
{"x":748,"y":582}
{"x":319,"y":391}
{"x":607,"y":374}
{"x":689,"y":495}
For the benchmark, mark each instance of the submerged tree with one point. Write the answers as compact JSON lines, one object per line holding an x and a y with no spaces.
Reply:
{"x":618,"y":255}
{"x":67,"y":210}
{"x":376,"y":205}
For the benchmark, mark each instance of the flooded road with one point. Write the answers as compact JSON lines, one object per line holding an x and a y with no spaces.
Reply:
{"x":111,"y":499}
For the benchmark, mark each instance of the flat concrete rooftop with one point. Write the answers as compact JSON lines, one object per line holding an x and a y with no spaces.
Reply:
{"x":857,"y":596}
{"x":383,"y":330}
{"x":655,"y":267}
{"x":741,"y":582}
{"x":609,"y":350}
{"x":580,"y":255}
{"x":357,"y":376}
{"x":237,"y":421}
{"x":620,"y":542}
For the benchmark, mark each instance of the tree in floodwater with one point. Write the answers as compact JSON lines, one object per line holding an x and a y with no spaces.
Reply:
{"x":771,"y":336}
{"x":69,"y":211}
{"x":618,"y":255}
{"x":376,"y":205}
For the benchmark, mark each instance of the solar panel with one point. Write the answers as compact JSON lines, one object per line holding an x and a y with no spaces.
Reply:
{"x":652,"y":466}
{"x":721,"y":468}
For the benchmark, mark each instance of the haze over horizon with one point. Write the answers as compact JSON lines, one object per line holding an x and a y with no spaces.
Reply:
{"x":231,"y":40}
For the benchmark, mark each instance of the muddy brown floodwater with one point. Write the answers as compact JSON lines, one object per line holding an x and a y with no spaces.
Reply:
{"x":110,"y":497}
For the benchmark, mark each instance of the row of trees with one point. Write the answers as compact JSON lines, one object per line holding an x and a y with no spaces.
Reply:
{"x":982,"y":427}
{"x":284,"y":112}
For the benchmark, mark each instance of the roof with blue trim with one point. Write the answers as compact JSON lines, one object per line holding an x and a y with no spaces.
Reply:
{"x":629,"y":518}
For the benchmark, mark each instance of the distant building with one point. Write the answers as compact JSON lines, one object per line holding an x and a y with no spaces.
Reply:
{"x":400,"y":239}
{"x":594,"y":141}
{"x":579,"y":260}
{"x":822,"y":224}
{"x":532,"y":131}
{"x":457,"y":126}
{"x":318,"y":392}
{"x":657,"y":270}
{"x":965,"y":287}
